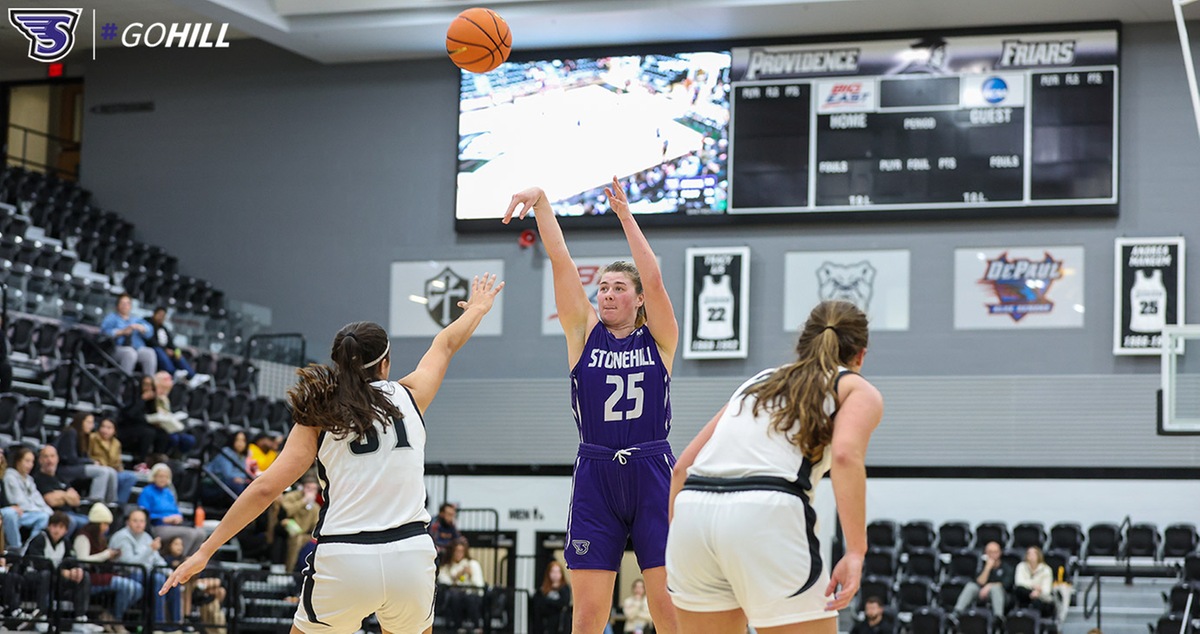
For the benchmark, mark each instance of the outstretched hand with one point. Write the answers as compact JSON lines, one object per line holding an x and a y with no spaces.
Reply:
{"x":616,"y":198}
{"x":184,"y":572}
{"x":483,"y":291}
{"x":848,"y":574}
{"x":525,"y":199}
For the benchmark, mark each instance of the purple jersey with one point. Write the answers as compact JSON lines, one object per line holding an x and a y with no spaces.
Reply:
{"x":620,"y":390}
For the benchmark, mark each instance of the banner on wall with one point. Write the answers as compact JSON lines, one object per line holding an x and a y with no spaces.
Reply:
{"x":875,"y":281}
{"x":715,"y":319}
{"x":590,"y":270}
{"x":425,"y":296}
{"x":1148,"y":292}
{"x":1005,"y":288}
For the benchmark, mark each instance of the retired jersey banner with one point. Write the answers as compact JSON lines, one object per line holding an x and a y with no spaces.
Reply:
{"x":1003,"y":288}
{"x":1148,"y":289}
{"x":425,"y":296}
{"x":875,"y":281}
{"x":715,"y":317}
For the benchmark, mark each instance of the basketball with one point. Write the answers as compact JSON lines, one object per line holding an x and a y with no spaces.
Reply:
{"x":478,"y":40}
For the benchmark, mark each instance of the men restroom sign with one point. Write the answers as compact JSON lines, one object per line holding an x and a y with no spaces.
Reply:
{"x":716,"y":323}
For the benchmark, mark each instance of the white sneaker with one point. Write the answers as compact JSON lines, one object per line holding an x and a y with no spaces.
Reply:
{"x":199,"y":379}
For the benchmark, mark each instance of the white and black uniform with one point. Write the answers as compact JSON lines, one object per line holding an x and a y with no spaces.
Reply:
{"x":1149,"y":301}
{"x":374,"y":553}
{"x":716,"y":309}
{"x":744,"y":533}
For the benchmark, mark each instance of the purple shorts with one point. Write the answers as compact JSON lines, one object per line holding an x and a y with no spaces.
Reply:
{"x":616,"y":496}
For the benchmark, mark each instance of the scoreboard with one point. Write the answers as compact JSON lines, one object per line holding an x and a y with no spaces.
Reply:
{"x":1003,"y":122}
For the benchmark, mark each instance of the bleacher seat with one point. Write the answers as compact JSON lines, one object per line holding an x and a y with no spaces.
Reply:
{"x":917,"y":534}
{"x":1023,"y":621}
{"x":1067,"y":536}
{"x":178,"y":397}
{"x":20,"y":336}
{"x":45,"y":339}
{"x":1179,"y":540}
{"x":218,"y":407}
{"x":914,"y":592}
{"x":991,"y":532}
{"x":976,"y":621}
{"x":928,"y":620}
{"x":1177,"y":598}
{"x":922,"y":562}
{"x":281,"y":418}
{"x":874,"y":586}
{"x":1104,"y":540}
{"x":954,"y":536}
{"x":197,"y":404}
{"x":10,"y":412}
{"x":32,"y":420}
{"x":882,"y":533}
{"x":1011,"y":557}
{"x":1191,"y":567}
{"x":1169,"y":624}
{"x":123,"y":387}
{"x":1142,"y":540}
{"x":238,"y":410}
{"x":965,"y":563}
{"x":949,"y":590}
{"x":1028,"y":534}
{"x":880,"y":562}
{"x":1059,"y":559}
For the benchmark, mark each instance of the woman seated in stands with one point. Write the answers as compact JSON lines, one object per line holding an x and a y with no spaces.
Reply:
{"x":74,"y":457}
{"x":230,"y":464}
{"x":105,"y":449}
{"x":137,"y":547}
{"x":24,"y":507}
{"x":91,"y":545}
{"x":552,"y":602}
{"x":463,"y":607}
{"x":637,"y":609}
{"x":158,"y":499}
{"x":299,"y":512}
{"x":1033,"y":581}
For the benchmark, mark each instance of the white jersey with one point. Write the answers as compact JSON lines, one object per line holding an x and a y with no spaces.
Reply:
{"x":376,"y":483}
{"x":716,"y":309}
{"x":1149,"y":299}
{"x":744,"y":446}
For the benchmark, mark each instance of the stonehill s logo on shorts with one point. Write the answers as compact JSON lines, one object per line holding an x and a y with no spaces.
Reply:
{"x":51,"y":32}
{"x":580,"y":546}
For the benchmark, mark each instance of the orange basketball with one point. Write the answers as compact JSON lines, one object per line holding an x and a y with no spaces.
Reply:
{"x":478,"y":40}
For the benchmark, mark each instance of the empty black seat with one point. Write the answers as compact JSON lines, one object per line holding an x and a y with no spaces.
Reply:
{"x":10,"y":411}
{"x":179,"y":397}
{"x":1104,"y":540}
{"x":1169,"y":624}
{"x":1057,"y":559}
{"x":1028,"y":534}
{"x":878,"y":561}
{"x":976,"y":621}
{"x":1177,"y":599}
{"x":928,"y":620}
{"x":20,"y":336}
{"x":1023,"y":621}
{"x":917,"y":534}
{"x":922,"y":562}
{"x":1179,"y":540}
{"x":914,"y":592}
{"x":954,"y":536}
{"x":218,"y":406}
{"x":949,"y":591}
{"x":991,"y":532}
{"x":882,"y":533}
{"x":1191,"y":567}
{"x":1142,"y":540}
{"x":239,"y":409}
{"x":45,"y":339}
{"x":1067,"y":536}
{"x":964,"y":563}
{"x":33,"y":419}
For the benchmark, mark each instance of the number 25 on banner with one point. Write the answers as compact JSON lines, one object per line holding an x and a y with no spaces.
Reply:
{"x":715,"y":313}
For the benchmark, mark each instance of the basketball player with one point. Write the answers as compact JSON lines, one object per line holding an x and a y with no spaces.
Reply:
{"x":373,"y":552}
{"x":620,"y":362}
{"x":753,"y":470}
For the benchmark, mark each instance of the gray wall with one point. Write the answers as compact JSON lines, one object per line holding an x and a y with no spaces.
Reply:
{"x":294,"y":185}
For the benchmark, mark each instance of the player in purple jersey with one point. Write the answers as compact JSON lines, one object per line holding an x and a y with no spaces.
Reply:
{"x":620,"y":361}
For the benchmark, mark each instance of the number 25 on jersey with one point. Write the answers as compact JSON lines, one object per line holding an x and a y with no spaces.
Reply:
{"x":624,"y":389}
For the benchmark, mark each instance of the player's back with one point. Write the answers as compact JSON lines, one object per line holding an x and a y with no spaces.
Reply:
{"x":375,"y":483}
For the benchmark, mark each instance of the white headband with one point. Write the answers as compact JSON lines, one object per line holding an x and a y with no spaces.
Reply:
{"x":386,"y":350}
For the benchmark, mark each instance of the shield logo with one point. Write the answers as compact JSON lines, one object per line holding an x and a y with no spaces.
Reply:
{"x":51,"y":32}
{"x":444,"y":291}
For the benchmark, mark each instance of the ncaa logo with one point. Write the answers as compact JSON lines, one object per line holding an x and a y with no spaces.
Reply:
{"x":994,"y":90}
{"x":51,"y":32}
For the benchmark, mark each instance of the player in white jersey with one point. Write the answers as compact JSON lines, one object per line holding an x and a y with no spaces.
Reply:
{"x":742,"y":546}
{"x":366,"y":434}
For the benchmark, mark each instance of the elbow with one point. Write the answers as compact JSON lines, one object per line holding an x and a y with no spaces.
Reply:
{"x":844,"y":459}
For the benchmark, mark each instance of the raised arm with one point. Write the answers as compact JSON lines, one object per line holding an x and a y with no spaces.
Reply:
{"x":660,"y":314}
{"x":857,"y":417}
{"x":426,"y":379}
{"x":296,"y":458}
{"x":575,"y":311}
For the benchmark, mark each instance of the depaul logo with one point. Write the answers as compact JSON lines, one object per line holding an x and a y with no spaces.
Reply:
{"x":1021,"y":284}
{"x":994,"y":90}
{"x":51,"y":32}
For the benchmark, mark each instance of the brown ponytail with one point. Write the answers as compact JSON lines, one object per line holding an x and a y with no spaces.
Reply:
{"x":340,"y":399}
{"x":836,"y":331}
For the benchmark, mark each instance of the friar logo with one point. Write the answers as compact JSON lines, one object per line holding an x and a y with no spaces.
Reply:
{"x":851,"y":282}
{"x":51,"y":32}
{"x":444,"y":291}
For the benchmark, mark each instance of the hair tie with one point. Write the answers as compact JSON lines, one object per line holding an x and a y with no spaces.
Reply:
{"x":386,"y":350}
{"x":835,"y":331}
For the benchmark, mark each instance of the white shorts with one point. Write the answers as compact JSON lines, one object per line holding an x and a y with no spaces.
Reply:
{"x":753,"y":550}
{"x":346,"y":583}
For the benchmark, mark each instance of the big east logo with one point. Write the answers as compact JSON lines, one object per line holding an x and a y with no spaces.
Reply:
{"x":1021,"y":285}
{"x":847,"y":94}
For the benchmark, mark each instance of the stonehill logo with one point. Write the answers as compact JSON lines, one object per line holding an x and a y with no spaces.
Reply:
{"x":51,"y":32}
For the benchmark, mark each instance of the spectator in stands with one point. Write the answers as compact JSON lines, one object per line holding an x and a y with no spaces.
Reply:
{"x":105,"y":449}
{"x":876,"y":621}
{"x":264,"y":450}
{"x":137,"y":547}
{"x":20,"y":503}
{"x":75,"y":462}
{"x":60,"y":495}
{"x":170,"y":358}
{"x":158,"y":413}
{"x":230,"y":464}
{"x":91,"y":545}
{"x":636,"y":608}
{"x":989,"y":585}
{"x":136,"y":433}
{"x":51,"y":544}
{"x":551,"y":604}
{"x":300,"y":510}
{"x":442,"y":528}
{"x":158,"y":500}
{"x":1033,"y":582}
{"x":129,"y":333}
{"x":464,"y":608}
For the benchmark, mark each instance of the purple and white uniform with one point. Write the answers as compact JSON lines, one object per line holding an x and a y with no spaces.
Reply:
{"x":621,"y":399}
